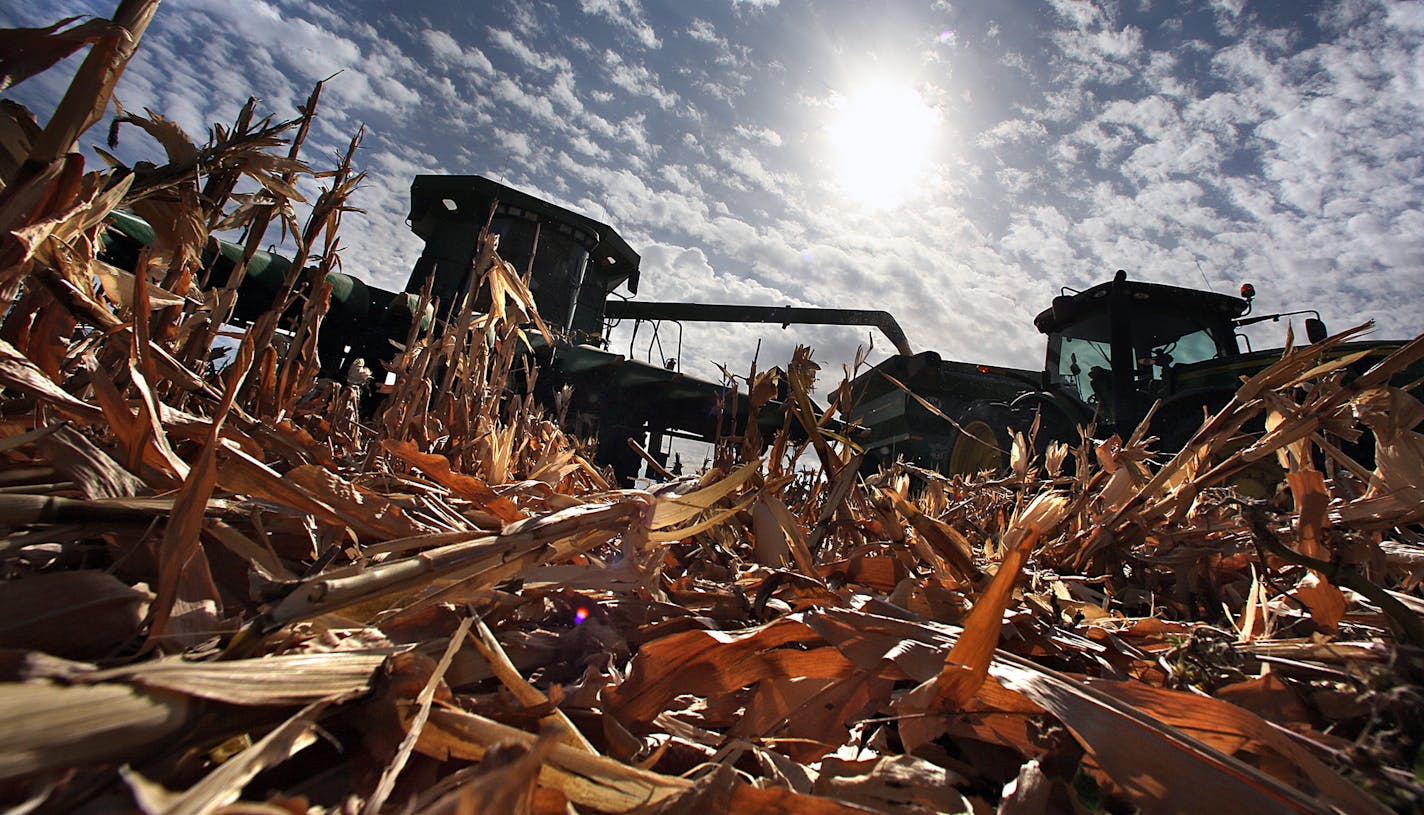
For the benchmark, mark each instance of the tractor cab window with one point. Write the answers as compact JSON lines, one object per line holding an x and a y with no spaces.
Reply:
{"x":1081,"y":361}
{"x":1197,"y":346}
{"x":1164,"y":340}
{"x":1080,"y":353}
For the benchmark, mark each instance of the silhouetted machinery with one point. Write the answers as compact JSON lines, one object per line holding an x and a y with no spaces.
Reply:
{"x":1113,"y":350}
{"x":574,"y":264}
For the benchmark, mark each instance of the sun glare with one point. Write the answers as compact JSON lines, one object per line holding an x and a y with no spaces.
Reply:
{"x":882,"y":135}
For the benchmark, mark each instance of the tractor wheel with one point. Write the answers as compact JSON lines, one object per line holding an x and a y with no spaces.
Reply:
{"x":1178,"y":418}
{"x":1177,"y":421}
{"x":983,"y":441}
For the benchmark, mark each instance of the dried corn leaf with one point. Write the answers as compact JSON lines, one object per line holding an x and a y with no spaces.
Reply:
{"x":51,"y":726}
{"x":25,"y":52}
{"x":1162,"y":768}
{"x":76,"y":614}
{"x":892,"y":783}
{"x":1230,"y":729}
{"x":18,"y":373}
{"x":278,"y":680}
{"x":599,"y":783}
{"x":91,"y":469}
{"x":967,"y":664}
{"x":467,"y":487}
{"x":224,"y":785}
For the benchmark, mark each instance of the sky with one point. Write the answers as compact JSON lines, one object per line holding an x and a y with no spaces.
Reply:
{"x":953,"y":162}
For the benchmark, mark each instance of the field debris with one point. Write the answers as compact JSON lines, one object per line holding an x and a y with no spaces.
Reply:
{"x":226,"y":590}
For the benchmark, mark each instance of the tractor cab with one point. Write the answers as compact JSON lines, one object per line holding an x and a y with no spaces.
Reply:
{"x":1118,"y":347}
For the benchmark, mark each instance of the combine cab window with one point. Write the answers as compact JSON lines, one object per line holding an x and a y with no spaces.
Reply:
{"x":558,"y":272}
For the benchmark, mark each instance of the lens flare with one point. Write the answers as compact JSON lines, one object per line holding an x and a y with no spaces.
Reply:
{"x":580,"y":615}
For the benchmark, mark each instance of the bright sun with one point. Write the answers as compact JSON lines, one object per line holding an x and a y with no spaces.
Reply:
{"x":882,"y":134}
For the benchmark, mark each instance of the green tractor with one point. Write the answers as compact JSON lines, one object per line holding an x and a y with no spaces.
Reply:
{"x":1114,"y":351}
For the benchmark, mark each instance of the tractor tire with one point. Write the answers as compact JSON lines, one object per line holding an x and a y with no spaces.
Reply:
{"x":1177,"y":421}
{"x":982,"y":441}
{"x":1178,"y":418}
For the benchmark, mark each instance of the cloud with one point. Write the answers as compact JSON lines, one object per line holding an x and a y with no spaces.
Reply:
{"x":703,"y":31}
{"x":1010,"y":131}
{"x":563,"y":92}
{"x":1230,"y":8}
{"x":1080,"y":14}
{"x":448,"y":51}
{"x":517,"y":144}
{"x":537,"y":107}
{"x":626,"y":15}
{"x":633,"y":132}
{"x":747,"y":166}
{"x":765,"y":135}
{"x":636,"y":79}
{"x":527,"y":56}
{"x":582,"y":144}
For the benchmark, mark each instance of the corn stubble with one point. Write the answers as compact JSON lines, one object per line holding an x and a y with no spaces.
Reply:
{"x":226,"y":591}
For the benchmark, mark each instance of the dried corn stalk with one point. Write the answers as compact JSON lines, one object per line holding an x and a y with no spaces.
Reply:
{"x":226,"y":591}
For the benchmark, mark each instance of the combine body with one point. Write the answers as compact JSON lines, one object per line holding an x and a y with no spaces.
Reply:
{"x":574,"y":264}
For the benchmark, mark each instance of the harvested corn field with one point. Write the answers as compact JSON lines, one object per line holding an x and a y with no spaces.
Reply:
{"x":228,"y":586}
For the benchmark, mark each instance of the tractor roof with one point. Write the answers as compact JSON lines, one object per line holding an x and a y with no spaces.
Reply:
{"x":1152,"y":297}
